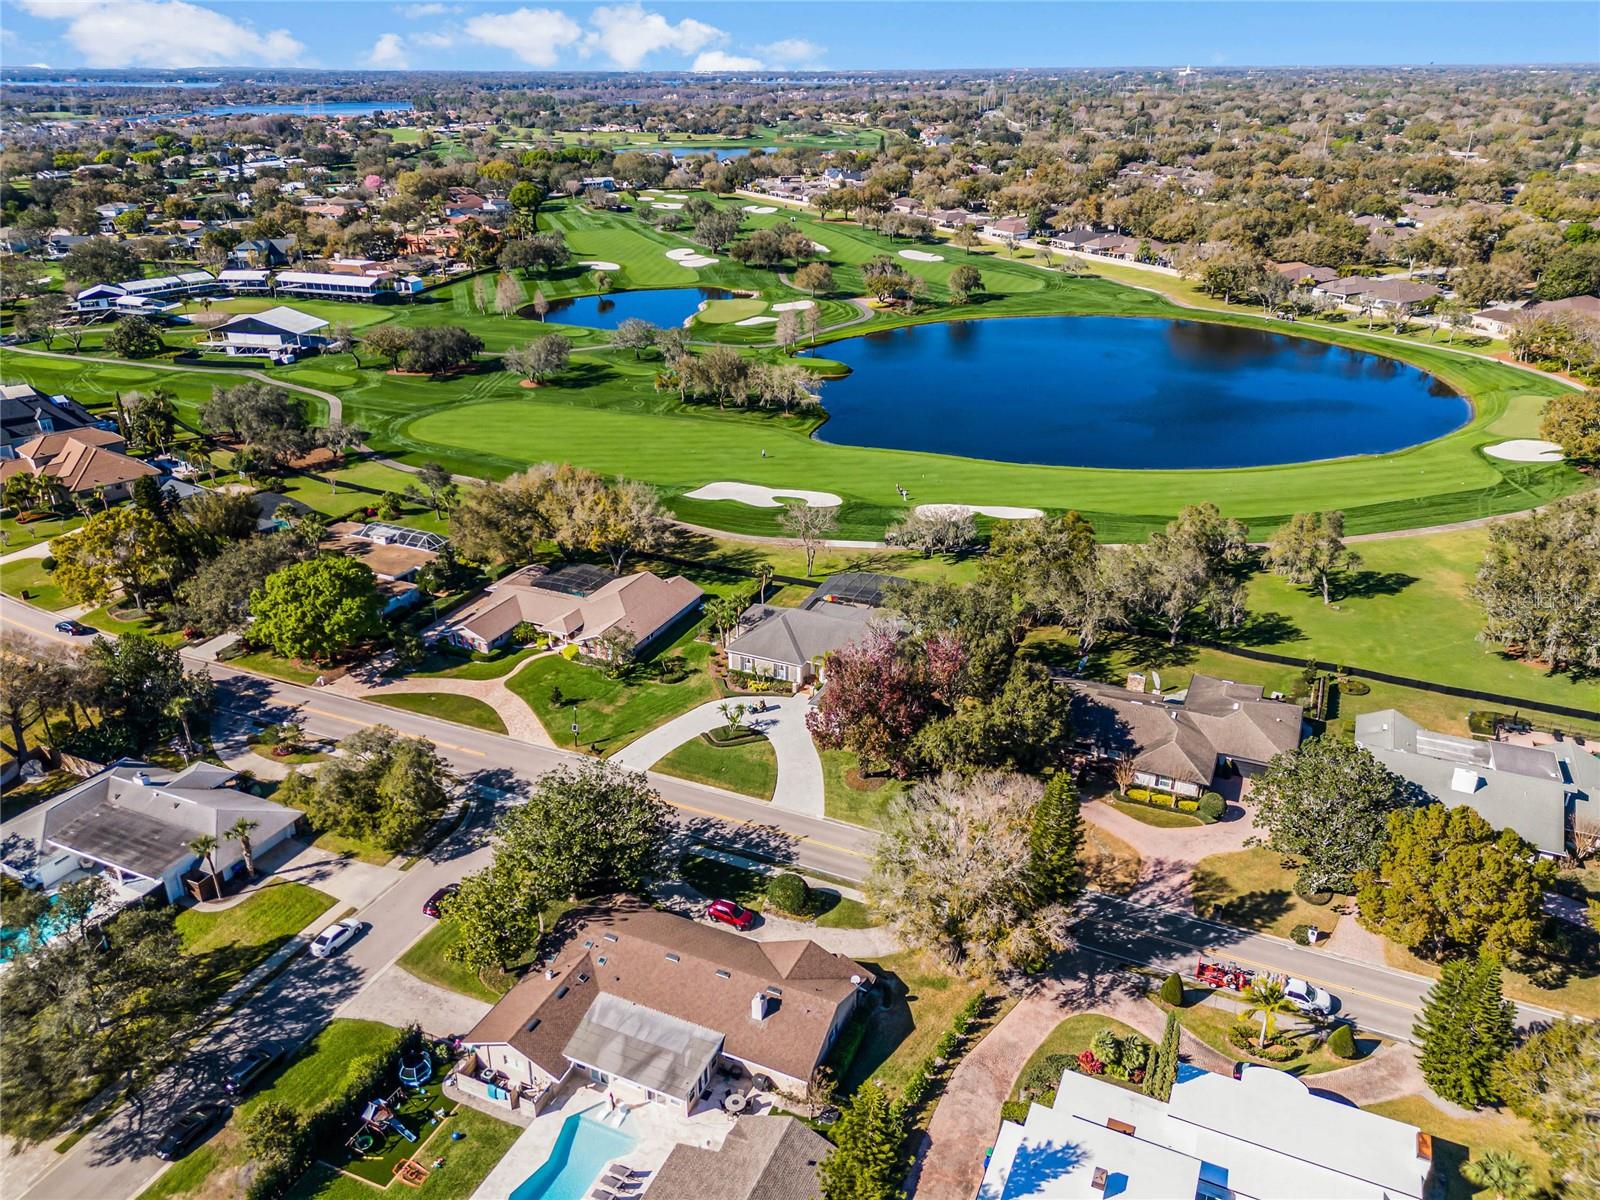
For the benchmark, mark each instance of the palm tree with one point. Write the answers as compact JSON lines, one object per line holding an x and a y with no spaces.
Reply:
{"x":240,"y":832}
{"x":205,"y":846}
{"x":1267,"y":997}
{"x":1502,"y":1173}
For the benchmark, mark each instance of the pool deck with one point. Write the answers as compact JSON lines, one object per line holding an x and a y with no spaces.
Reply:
{"x":657,"y":1128}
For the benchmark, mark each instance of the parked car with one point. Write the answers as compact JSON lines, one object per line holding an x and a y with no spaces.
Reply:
{"x":335,"y":936}
{"x":729,"y":913}
{"x":1309,"y":999}
{"x":257,"y":1061}
{"x":188,"y":1129}
{"x":73,"y":628}
{"x":430,"y":906}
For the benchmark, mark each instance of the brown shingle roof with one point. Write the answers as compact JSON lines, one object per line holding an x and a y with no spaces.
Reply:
{"x":710,"y":982}
{"x":763,"y":1158}
{"x":640,"y":604}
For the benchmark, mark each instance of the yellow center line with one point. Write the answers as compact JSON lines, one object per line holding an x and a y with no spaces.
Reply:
{"x":799,"y":837}
{"x":1336,"y":988}
{"x":333,"y":716}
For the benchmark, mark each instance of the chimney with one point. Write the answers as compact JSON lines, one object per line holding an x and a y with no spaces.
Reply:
{"x":1101,"y":1178}
{"x":758,"y":1007}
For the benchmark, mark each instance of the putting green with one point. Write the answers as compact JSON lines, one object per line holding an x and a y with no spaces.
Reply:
{"x":726,"y":312}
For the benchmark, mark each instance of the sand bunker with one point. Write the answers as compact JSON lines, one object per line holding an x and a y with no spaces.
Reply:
{"x":820,"y":248}
{"x":794,"y":306}
{"x":596,"y":264}
{"x":763,"y":497}
{"x":684,"y":252}
{"x":913,"y":255}
{"x":758,"y":321}
{"x":759,"y":208}
{"x":665,"y":204}
{"x":1525,"y":450}
{"x":1002,"y":512}
{"x":696,"y":260}
{"x":676,"y":195}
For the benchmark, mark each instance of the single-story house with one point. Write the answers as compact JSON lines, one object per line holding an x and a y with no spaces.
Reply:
{"x":1390,"y":293}
{"x":1300,"y":274}
{"x":265,"y":252}
{"x":1007,"y":227}
{"x":82,"y":461}
{"x":393,"y":553}
{"x":1501,"y":319}
{"x":574,"y":605}
{"x":1543,"y":793}
{"x":276,"y":333}
{"x":26,"y":412}
{"x":791,"y":643}
{"x":650,"y":1002}
{"x":1179,"y":746}
{"x":275,"y":511}
{"x":329,"y":285}
{"x":132,"y":822}
{"x":1263,"y":1134}
{"x":762,"y":1158}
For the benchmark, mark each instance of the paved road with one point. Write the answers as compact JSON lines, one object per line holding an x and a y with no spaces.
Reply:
{"x":1379,"y":999}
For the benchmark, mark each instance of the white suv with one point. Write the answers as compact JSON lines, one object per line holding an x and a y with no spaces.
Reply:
{"x":1309,"y":999}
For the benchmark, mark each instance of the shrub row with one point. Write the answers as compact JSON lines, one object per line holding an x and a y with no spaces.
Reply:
{"x":928,"y":1071}
{"x":1209,"y":807}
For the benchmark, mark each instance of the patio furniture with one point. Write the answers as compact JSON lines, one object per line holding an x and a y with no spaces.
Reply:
{"x":735,"y":1102}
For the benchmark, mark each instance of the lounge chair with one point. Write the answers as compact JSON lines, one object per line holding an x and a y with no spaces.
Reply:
{"x":601,"y":1193}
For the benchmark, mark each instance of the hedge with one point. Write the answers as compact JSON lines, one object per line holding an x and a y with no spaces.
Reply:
{"x":788,"y":893}
{"x":1342,"y":1043}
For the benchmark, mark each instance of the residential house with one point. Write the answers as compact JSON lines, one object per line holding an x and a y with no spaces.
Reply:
{"x":263,"y":252}
{"x":1304,"y":274}
{"x":791,"y":643}
{"x":1180,"y":746}
{"x":1543,"y":793}
{"x":1499,"y":320}
{"x":1263,"y":1134}
{"x":133,"y":822}
{"x":762,"y":1158}
{"x":577,"y":605}
{"x":648,"y":1002}
{"x":82,"y":462}
{"x":1392,"y":293}
{"x":276,"y":512}
{"x":26,"y":412}
{"x":392,"y":552}
{"x":108,"y":214}
{"x":1010,"y":228}
{"x":279,"y":334}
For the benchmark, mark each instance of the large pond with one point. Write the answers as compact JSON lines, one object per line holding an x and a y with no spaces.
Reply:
{"x":659,"y":306}
{"x":1128,"y":393}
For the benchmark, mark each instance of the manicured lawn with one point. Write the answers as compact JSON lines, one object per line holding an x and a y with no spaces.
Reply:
{"x":901,"y":1035}
{"x":189,"y":1175}
{"x":464,"y":710}
{"x":1161,"y":818}
{"x":610,"y":712}
{"x":749,"y":768}
{"x":726,"y":312}
{"x":1210,"y":1023}
{"x":339,"y":843}
{"x":266,"y":663}
{"x":425,"y":959}
{"x":845,"y":799}
{"x":115,"y":619}
{"x":1457,"y":1138}
{"x":1071,"y":1037}
{"x":450,"y":666}
{"x":233,"y":941}
{"x":1109,"y":863}
{"x":467,"y":1162}
{"x":27,"y":580}
{"x":1254,"y":890}
{"x":19,"y":536}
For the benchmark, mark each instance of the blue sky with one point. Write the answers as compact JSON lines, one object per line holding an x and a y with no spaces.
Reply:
{"x":790,"y":34}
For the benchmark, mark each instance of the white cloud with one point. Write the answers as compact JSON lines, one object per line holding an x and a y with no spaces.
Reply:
{"x":433,"y":40}
{"x":388,"y":53}
{"x":416,"y":12}
{"x":627,"y":34}
{"x":721,"y":60}
{"x":535,"y":35}
{"x":793,"y":52}
{"x":163,"y":33}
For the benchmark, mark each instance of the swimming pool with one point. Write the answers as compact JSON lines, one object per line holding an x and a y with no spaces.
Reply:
{"x":582,"y":1148}
{"x":15,"y":940}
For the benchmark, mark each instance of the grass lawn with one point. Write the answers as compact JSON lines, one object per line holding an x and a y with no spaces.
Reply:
{"x":1109,"y":863}
{"x":611,"y":712}
{"x":14,"y":535}
{"x":340,"y":843}
{"x":233,"y":941}
{"x":265,"y":662}
{"x":27,"y":580}
{"x":848,"y":796}
{"x":1579,"y":995}
{"x":1254,"y":890}
{"x":749,"y":768}
{"x":713,"y":878}
{"x":1210,"y":1022}
{"x":1457,"y":1138}
{"x":726,"y":312}
{"x":426,"y":960}
{"x":1161,"y":818}
{"x":1071,"y":1037}
{"x":466,"y":1164}
{"x":464,"y":710}
{"x":899,"y":1036}
{"x":450,"y":666}
{"x":119,"y":621}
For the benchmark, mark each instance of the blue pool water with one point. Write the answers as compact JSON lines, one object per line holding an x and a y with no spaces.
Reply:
{"x":582,"y":1148}
{"x":1128,"y":392}
{"x":19,"y":941}
{"x":659,"y":306}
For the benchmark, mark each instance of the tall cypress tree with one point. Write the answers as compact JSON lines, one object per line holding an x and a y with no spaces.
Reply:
{"x":1055,"y":844}
{"x":1164,"y":1070}
{"x":1467,"y":1026}
{"x":866,"y":1162}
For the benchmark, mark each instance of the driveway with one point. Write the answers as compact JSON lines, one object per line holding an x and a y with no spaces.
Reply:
{"x":799,"y":787}
{"x":1169,"y":855}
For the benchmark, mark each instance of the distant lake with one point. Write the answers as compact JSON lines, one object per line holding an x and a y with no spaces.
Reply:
{"x":334,"y":108}
{"x":1124,"y":392}
{"x":681,"y":152}
{"x":659,"y":306}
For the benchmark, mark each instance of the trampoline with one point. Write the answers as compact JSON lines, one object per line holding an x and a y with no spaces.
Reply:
{"x":414,"y":1072}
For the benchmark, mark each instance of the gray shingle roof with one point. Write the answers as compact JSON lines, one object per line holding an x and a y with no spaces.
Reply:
{"x":797,"y":636}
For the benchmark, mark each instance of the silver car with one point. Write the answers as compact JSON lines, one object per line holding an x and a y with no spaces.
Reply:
{"x":1309,"y":999}
{"x":335,"y":936}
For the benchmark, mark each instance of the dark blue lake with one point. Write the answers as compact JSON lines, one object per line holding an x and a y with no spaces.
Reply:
{"x":659,"y":306}
{"x":1128,"y":393}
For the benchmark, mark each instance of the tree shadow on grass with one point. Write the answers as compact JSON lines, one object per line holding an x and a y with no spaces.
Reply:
{"x":1364,"y":584}
{"x":1216,"y":898}
{"x":1264,"y":629}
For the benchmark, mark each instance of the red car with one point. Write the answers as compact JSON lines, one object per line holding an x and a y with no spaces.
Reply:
{"x":430,"y":906}
{"x":730,"y":913}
